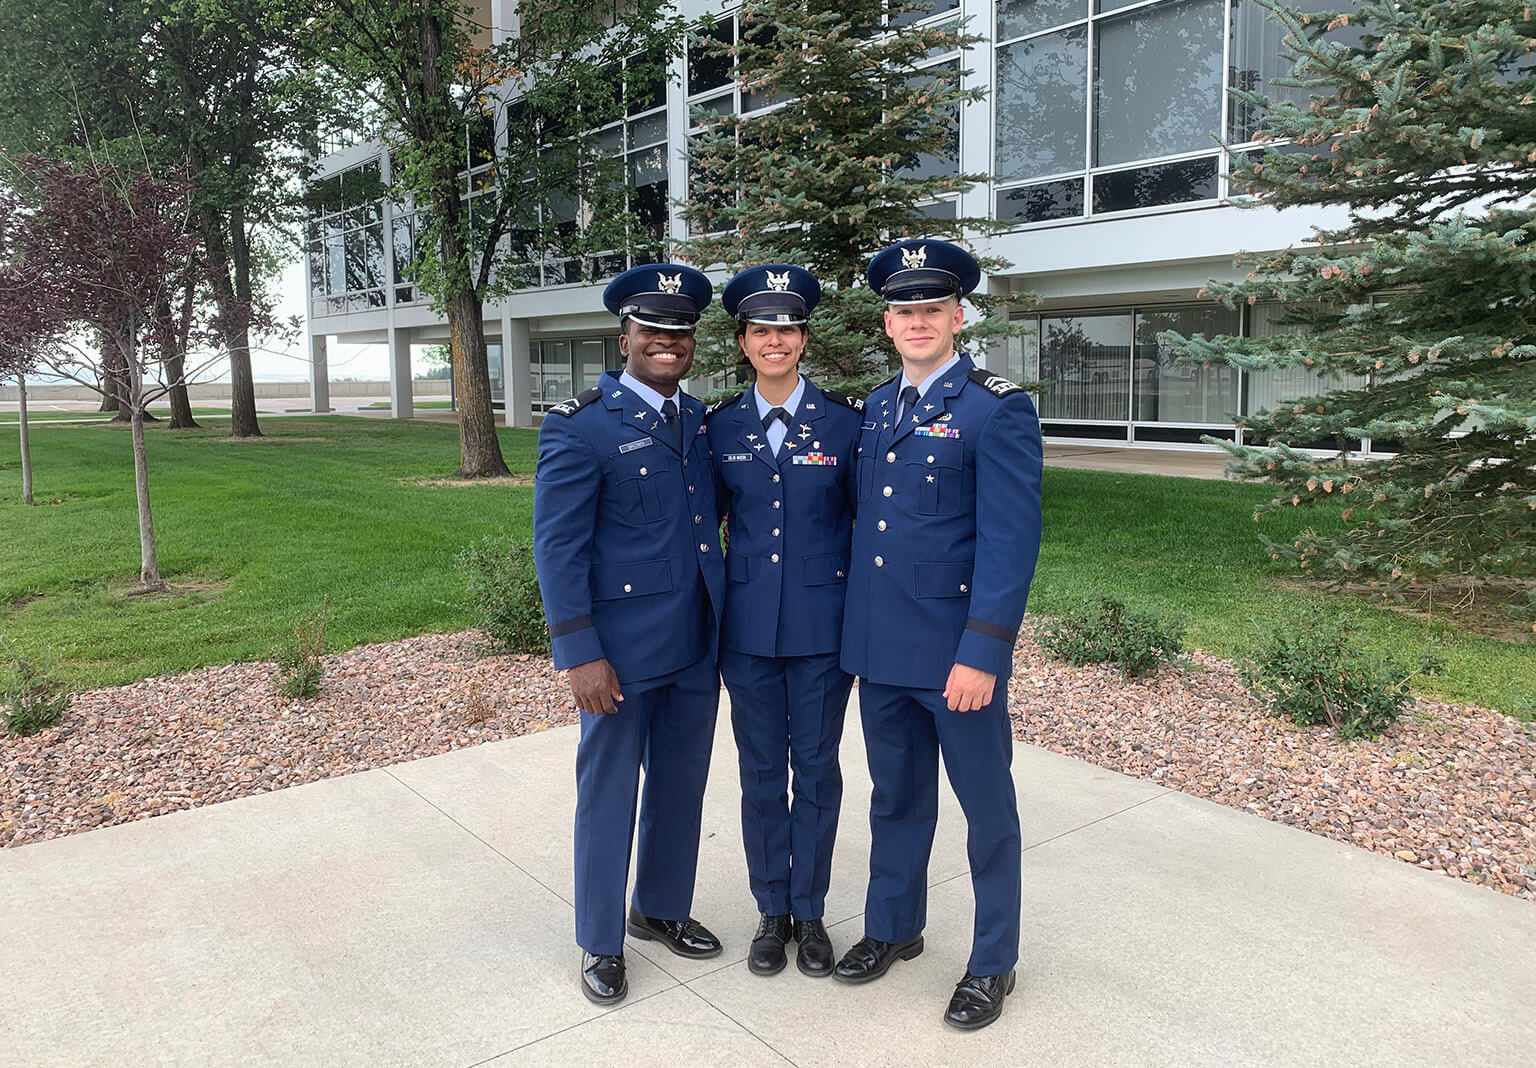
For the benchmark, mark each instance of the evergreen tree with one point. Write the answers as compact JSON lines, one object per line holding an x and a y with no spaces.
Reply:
{"x":1416,"y":317}
{"x":865,"y":142}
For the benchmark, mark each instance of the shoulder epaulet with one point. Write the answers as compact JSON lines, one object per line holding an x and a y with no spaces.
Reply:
{"x":841,"y":398}
{"x":895,"y":377}
{"x":575,"y":404}
{"x":996,"y":384}
{"x":722,"y":405}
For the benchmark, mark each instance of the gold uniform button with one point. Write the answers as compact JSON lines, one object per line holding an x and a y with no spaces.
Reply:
{"x":627,"y":587}
{"x":774,"y":558}
{"x":879,"y":561}
{"x":886,"y":491}
{"x":880,"y":525}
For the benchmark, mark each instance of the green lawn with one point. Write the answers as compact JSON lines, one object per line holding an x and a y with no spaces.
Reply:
{"x":48,"y":415}
{"x":262,"y":530}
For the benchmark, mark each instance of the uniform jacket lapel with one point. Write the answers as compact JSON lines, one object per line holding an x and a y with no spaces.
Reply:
{"x":935,"y":402}
{"x":750,"y":430}
{"x":638,"y":415}
{"x":802,"y":427}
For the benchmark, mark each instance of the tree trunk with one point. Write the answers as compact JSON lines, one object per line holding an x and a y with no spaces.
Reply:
{"x":149,"y":560}
{"x":242,"y":383}
{"x":479,"y":449}
{"x":173,"y":357}
{"x":115,"y":380}
{"x":26,"y":446}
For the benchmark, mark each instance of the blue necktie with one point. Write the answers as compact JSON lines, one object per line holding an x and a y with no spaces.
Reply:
{"x":908,"y":402}
{"x":674,"y":424}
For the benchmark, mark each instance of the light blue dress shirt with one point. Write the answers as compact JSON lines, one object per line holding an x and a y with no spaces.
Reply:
{"x":775,"y":433}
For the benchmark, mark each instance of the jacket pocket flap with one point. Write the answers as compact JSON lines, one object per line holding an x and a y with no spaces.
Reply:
{"x":631,"y":580}
{"x":944,"y":580}
{"x":821,"y":570}
{"x":738,"y":566}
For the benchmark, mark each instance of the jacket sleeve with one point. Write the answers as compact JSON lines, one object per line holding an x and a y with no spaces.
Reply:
{"x":565,"y":494}
{"x":1008,"y":462}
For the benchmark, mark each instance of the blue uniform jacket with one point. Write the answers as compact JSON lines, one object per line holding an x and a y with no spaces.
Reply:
{"x":625,"y":535}
{"x":790,"y":519}
{"x":948,"y":531}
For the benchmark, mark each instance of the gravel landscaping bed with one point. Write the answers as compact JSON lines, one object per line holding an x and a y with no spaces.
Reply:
{"x":1449,"y":788}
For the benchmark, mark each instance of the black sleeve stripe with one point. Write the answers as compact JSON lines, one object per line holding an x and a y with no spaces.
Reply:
{"x":570,"y":626}
{"x":992,"y":630}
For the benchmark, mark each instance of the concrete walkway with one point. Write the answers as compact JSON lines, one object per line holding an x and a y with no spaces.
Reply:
{"x":420,"y":915}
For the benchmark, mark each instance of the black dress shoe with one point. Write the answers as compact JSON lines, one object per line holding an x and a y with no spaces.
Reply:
{"x":602,"y":978}
{"x":871,"y":958}
{"x":815,"y":955}
{"x":686,"y":938}
{"x":978,"y":1000}
{"x":766,"y":956}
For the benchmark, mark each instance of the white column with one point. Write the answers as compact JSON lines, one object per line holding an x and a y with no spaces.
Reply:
{"x":319,"y":375}
{"x":400,"y":372}
{"x":516,"y":372}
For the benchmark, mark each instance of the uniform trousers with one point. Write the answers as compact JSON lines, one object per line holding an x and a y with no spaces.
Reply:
{"x":665,"y":726}
{"x":787,"y":715}
{"x":905,"y":730}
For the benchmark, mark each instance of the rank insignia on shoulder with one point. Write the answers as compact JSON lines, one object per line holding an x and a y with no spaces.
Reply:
{"x":846,"y":401}
{"x":995,"y":384}
{"x":570,"y":407}
{"x":720,"y":406}
{"x":813,"y":459}
{"x":937,"y":432}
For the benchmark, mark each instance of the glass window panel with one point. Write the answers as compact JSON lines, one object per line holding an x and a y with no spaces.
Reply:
{"x":927,"y":164}
{"x":482,"y":142}
{"x":589,"y":356}
{"x":1038,"y":203}
{"x":645,"y":83}
{"x":648,"y":166}
{"x":650,"y":130}
{"x":1040,"y":105}
{"x":1257,"y":59}
{"x":1085,"y":366}
{"x":557,"y":371}
{"x":404,"y":244}
{"x":1015,"y":18}
{"x":1113,"y":5}
{"x":373,"y":255}
{"x":720,"y":105}
{"x":1157,"y":81}
{"x":609,"y":142}
{"x":707,"y":71}
{"x":1150,"y":187}
{"x":649,"y":203}
{"x":1168,"y":391}
{"x":1021,"y":353}
{"x":1263,"y":390}
{"x":925,"y":9}
{"x":940,"y":209}
{"x":317,"y":284}
{"x":336,"y":264}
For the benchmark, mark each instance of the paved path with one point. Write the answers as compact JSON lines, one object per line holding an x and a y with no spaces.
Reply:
{"x":420,"y":915}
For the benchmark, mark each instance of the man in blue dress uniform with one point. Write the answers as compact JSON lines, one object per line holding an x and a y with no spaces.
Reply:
{"x":943,"y":553}
{"x":628,"y":555}
{"x":784,"y":453}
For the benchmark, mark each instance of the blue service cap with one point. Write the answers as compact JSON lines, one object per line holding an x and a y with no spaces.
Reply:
{"x":920,"y":270}
{"x":667,"y":296}
{"x":774,"y":293}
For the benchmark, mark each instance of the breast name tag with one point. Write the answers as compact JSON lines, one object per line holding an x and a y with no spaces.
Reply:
{"x":937,"y":431}
{"x":735,"y":457}
{"x":631,"y":446}
{"x":814,"y":459}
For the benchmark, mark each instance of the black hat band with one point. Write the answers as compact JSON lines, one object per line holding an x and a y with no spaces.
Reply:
{"x":668,"y":311}
{"x":772,"y":307}
{"x":916,"y":285}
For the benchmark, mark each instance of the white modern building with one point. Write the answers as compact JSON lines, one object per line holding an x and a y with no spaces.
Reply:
{"x":1099,"y":126}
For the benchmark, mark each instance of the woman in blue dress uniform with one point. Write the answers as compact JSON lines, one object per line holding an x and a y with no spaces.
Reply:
{"x":784,"y":453}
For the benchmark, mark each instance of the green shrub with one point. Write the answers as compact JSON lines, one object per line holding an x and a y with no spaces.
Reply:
{"x":1107,"y":631}
{"x":299,"y":668}
{"x":31,"y":695}
{"x":1310,"y":670}
{"x":504,"y":593}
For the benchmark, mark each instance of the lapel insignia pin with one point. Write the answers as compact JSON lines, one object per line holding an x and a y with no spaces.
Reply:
{"x":639,"y":415}
{"x":759,"y":445}
{"x":949,"y":385}
{"x":751,"y":437}
{"x":810,"y":407}
{"x":618,"y":393}
{"x":815,"y":444}
{"x":930,"y":478}
{"x":927,"y":407}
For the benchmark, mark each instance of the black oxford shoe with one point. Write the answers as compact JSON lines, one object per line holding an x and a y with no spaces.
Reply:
{"x":766,"y":956}
{"x":602,"y":978}
{"x":870,"y":958}
{"x":978,"y":1000}
{"x":686,"y":938}
{"x":815,"y":955}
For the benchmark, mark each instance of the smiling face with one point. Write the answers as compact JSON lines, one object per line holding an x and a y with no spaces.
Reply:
{"x":659,"y":358}
{"x":774,"y":350}
{"x":924,"y":334}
